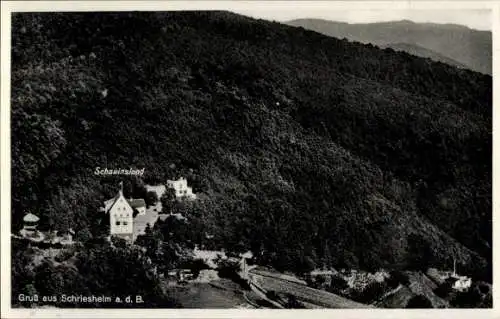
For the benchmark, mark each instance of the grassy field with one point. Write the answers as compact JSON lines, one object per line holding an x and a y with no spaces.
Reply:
{"x":204,"y":295}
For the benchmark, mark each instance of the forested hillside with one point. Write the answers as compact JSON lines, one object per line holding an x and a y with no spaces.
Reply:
{"x":307,"y":149}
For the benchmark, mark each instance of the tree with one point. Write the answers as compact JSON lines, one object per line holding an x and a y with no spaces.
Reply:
{"x":119,"y":242}
{"x":420,"y":255}
{"x":50,"y":280}
{"x":337,"y":284}
{"x":121,"y":272}
{"x":444,"y":290}
{"x":419,"y":302}
{"x":168,"y":200}
{"x":467,"y":299}
{"x":397,"y":277}
{"x":487,"y":301}
{"x":21,"y":275}
{"x":320,"y":281}
{"x":293,"y":303}
{"x":372,"y":292}
{"x":151,"y":198}
{"x":84,"y":235}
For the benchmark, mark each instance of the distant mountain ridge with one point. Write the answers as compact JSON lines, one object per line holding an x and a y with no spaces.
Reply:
{"x":449,"y":43}
{"x":423,"y":52}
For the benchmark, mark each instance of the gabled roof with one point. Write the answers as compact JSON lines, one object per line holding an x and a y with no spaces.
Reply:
{"x":30,"y":218}
{"x":136,"y":203}
{"x":248,"y":254}
{"x":133,"y":203}
{"x":110,"y":202}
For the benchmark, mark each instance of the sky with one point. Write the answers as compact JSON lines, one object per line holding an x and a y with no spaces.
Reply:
{"x":478,"y":19}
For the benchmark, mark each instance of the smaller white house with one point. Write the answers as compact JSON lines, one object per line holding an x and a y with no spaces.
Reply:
{"x":181,"y":188}
{"x":463,"y":283}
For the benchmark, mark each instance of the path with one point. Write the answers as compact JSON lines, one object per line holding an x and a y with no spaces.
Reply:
{"x":269,"y":281}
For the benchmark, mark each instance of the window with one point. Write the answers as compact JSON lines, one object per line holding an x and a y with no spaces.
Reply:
{"x":117,"y":223}
{"x":125,"y":223}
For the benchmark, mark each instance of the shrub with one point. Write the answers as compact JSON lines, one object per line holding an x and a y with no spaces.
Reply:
{"x":487,"y":301}
{"x":293,"y":303}
{"x":195,"y":265}
{"x":484,"y":288}
{"x":372,"y":292}
{"x":65,"y":254}
{"x":271,"y":294}
{"x":419,"y":302}
{"x":338,"y":284}
{"x":443,"y":290}
{"x":467,"y":299}
{"x":119,"y":242}
{"x":151,"y":198}
{"x":397,"y":277}
{"x":84,"y":235}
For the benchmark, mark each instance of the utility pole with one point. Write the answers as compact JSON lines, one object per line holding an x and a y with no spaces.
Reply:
{"x":454,"y":266}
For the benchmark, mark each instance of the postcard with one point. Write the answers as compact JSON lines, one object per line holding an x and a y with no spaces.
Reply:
{"x":241,"y":159}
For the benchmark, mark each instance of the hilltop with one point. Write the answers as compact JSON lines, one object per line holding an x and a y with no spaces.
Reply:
{"x":454,"y":44}
{"x":306,"y":149}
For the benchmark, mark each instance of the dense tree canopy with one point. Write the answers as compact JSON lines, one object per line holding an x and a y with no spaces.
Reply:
{"x":93,"y":270}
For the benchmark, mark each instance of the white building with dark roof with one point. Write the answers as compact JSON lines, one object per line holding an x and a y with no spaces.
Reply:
{"x":122,"y":213}
{"x":181,"y":188}
{"x":462,"y":283}
{"x":30,"y":223}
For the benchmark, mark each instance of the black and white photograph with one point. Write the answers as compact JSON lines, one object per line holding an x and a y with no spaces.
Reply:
{"x":250,"y":157}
